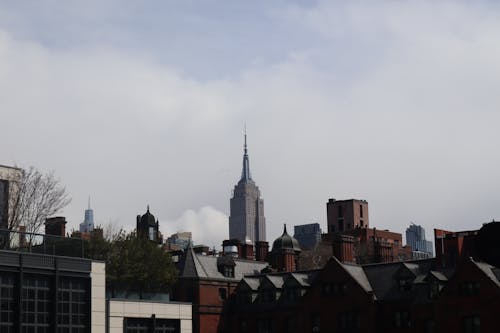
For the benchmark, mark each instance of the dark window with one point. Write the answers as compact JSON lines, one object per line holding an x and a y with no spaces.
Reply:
{"x":7,"y":303}
{"x":243,"y":326}
{"x":341,"y":211}
{"x":143,"y":325}
{"x":472,"y":324}
{"x":405,"y":284}
{"x":36,"y":305}
{"x":229,"y":271}
{"x":349,"y":320}
{"x":402,"y":319}
{"x":264,"y":326}
{"x":222,"y":293}
{"x":72,"y":305}
{"x":292,"y":294}
{"x":291,"y":325}
{"x":361,"y":211}
{"x":469,"y":288}
{"x":341,"y":224}
{"x":429,"y":326}
{"x":315,"y":323}
{"x":334,"y":289}
{"x":267,"y":295}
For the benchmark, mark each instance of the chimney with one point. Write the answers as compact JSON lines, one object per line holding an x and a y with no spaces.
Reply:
{"x":343,"y":248}
{"x":247,"y":251}
{"x":261,"y":250}
{"x":55,"y":226}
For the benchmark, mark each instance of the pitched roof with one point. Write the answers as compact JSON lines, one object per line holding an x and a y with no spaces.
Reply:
{"x":490,"y":271}
{"x":359,"y":275}
{"x":200,"y":266}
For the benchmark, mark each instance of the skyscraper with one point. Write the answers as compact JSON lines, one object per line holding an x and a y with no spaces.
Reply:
{"x":88,"y":223}
{"x":246,"y":221}
{"x":415,"y":237}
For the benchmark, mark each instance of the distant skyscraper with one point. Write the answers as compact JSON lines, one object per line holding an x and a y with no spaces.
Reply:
{"x":88,"y":223}
{"x":415,"y":237}
{"x":308,"y":235}
{"x":246,"y":221}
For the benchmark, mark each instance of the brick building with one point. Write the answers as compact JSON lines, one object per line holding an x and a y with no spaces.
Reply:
{"x":353,"y":240}
{"x":208,"y":281}
{"x":413,"y":296}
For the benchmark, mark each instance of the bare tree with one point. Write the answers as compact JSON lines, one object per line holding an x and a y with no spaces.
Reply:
{"x":36,"y":197}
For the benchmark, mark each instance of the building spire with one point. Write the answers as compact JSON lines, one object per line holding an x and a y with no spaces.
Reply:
{"x":245,"y":172}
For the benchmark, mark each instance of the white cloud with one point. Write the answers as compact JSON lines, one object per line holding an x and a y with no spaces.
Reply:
{"x":393,"y":103}
{"x":207,"y":225}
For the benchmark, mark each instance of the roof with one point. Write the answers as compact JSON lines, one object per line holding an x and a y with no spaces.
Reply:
{"x":194,"y":265}
{"x":285,"y":241}
{"x":491,"y":272}
{"x":382,"y":276}
{"x":359,"y":275}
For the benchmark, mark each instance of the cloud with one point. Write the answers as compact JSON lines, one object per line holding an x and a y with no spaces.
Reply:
{"x":207,"y":225}
{"x":395,"y":103}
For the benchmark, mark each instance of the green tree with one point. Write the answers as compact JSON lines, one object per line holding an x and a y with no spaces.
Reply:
{"x":138,"y":265}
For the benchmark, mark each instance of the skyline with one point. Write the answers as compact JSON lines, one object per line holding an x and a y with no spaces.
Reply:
{"x":145,"y":103}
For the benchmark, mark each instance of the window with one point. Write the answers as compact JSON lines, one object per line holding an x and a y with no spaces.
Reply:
{"x":264,"y":326}
{"x":341,"y":211}
{"x":291,"y":325}
{"x":143,"y":325}
{"x":361,"y":210}
{"x":36,"y":305}
{"x":315,"y":323}
{"x":222,"y":293}
{"x":7,"y":303}
{"x":267,"y":295}
{"x":229,"y":271}
{"x":292,"y":294}
{"x":72,"y":305}
{"x":469,"y":288}
{"x":334,"y":289}
{"x":405,"y":284}
{"x":472,"y":324}
{"x":243,"y":326}
{"x":402,"y":319}
{"x":349,"y":320}
{"x":152,"y":233}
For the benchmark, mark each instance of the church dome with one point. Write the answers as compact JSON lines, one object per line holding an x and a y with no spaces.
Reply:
{"x":285,"y":241}
{"x":148,"y":219}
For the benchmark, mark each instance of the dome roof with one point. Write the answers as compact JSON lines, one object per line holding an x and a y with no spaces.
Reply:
{"x":148,"y":219}
{"x":286,"y":242}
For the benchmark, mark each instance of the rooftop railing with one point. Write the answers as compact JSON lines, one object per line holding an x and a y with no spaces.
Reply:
{"x":40,"y":243}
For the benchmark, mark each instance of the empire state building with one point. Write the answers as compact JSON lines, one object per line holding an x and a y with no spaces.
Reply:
{"x":246,"y":221}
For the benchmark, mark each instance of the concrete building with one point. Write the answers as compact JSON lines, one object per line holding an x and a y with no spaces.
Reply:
{"x":9,"y":183}
{"x":45,"y":293}
{"x":308,"y":235}
{"x":178,"y":241}
{"x":415,"y":237}
{"x":246,"y":221}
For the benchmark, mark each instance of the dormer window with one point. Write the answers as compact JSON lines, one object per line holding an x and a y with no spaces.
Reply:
{"x":229,"y":271}
{"x":225,"y":266}
{"x":405,"y":284}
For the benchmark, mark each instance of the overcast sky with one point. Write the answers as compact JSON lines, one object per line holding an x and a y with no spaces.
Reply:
{"x":136,"y":103}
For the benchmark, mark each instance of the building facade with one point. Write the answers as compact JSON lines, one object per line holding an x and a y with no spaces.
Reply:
{"x":10,"y":178}
{"x":308,"y":235}
{"x":246,"y":220}
{"x":415,"y":237}
{"x":345,"y":215}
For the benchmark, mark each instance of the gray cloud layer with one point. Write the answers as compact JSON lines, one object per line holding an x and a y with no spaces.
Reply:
{"x":396,"y":103}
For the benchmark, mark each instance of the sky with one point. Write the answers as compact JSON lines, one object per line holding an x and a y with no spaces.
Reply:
{"x":137,"y":103}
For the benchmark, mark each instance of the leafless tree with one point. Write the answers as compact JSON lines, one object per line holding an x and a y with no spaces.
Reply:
{"x":36,"y":196}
